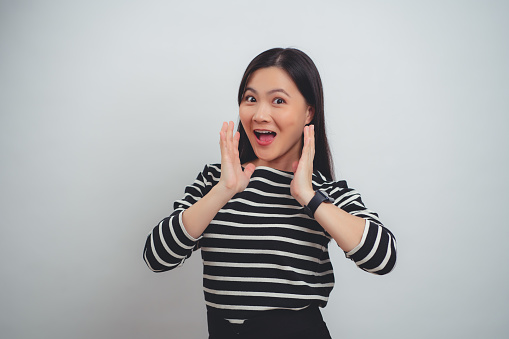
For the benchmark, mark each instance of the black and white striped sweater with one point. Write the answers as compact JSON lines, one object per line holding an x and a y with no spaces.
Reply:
{"x":261,"y":251}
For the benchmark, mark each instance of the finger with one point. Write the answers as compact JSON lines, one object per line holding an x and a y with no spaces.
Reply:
{"x":312,"y":142}
{"x":249,"y":169}
{"x":306,"y":159}
{"x":305,"y":148}
{"x":295,"y":165}
{"x":230,"y":128}
{"x":304,"y":139}
{"x":222,"y":135}
{"x":229,"y":136}
{"x":236,"y":139}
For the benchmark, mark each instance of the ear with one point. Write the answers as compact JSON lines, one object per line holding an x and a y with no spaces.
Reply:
{"x":310,"y":113}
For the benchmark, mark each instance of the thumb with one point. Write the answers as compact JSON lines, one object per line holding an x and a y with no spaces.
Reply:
{"x":249,"y":169}
{"x":295,"y":165}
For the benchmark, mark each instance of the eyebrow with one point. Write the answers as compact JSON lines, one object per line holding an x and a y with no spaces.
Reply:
{"x":276,"y":90}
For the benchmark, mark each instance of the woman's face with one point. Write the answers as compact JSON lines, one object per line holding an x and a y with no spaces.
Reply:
{"x":274,"y":113}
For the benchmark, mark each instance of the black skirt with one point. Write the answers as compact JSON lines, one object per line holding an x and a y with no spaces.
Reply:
{"x":281,"y":324}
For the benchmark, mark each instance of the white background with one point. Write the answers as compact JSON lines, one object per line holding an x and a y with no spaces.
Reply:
{"x":109,"y":108}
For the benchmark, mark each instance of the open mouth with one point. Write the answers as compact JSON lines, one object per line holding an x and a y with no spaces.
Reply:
{"x":264,"y":137}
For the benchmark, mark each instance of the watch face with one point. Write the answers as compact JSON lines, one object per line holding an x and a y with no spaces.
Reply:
{"x":326,"y":196}
{"x":329,"y":199}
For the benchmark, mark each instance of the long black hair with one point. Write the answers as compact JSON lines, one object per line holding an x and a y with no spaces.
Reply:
{"x":305,"y":75}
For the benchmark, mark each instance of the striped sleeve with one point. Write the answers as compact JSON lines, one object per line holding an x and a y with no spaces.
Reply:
{"x":169,"y":244}
{"x":376,"y":252}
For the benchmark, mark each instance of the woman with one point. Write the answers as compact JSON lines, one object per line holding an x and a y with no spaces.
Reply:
{"x":264,"y":217}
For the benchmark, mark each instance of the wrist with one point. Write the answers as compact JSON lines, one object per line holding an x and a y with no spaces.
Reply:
{"x":319,"y":198}
{"x":305,"y":197}
{"x":222,"y":193}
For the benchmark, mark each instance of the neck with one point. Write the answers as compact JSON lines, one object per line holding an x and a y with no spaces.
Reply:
{"x":279,"y":164}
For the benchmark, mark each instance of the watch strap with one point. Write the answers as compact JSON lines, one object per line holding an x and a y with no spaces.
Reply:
{"x":317,"y":199}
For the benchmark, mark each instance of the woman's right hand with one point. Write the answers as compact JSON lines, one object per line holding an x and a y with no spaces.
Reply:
{"x":233,"y":178}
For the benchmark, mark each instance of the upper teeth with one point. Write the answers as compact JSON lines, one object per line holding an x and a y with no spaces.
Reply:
{"x":263,"y":131}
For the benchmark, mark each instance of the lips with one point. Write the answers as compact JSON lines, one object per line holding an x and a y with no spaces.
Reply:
{"x":264,"y":137}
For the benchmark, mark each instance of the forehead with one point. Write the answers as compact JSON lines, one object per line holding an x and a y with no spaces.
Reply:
{"x":271,"y":78}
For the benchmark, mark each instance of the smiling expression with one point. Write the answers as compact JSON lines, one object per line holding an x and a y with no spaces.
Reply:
{"x":274,"y":113}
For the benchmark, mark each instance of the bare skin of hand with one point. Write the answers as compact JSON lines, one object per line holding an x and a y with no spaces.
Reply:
{"x":301,"y":186}
{"x":346,"y":229}
{"x":233,"y":180}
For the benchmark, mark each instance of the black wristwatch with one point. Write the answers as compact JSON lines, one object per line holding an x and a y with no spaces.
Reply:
{"x":313,"y":204}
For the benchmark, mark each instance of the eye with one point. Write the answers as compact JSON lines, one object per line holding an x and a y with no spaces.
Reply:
{"x":278,"y":101}
{"x":250,"y":98}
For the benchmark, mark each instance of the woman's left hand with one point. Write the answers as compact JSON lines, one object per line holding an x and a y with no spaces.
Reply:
{"x":301,"y":186}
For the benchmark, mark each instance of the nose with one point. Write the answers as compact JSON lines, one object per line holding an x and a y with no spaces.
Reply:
{"x":262,"y":113}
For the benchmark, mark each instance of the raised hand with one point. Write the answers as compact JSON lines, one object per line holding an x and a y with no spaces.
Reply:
{"x":301,"y":186}
{"x":233,"y":178}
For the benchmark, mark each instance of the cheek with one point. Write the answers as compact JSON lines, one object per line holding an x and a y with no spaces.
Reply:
{"x":245,"y":120}
{"x":243,"y":115}
{"x":293,"y":128}
{"x":291,"y":122}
